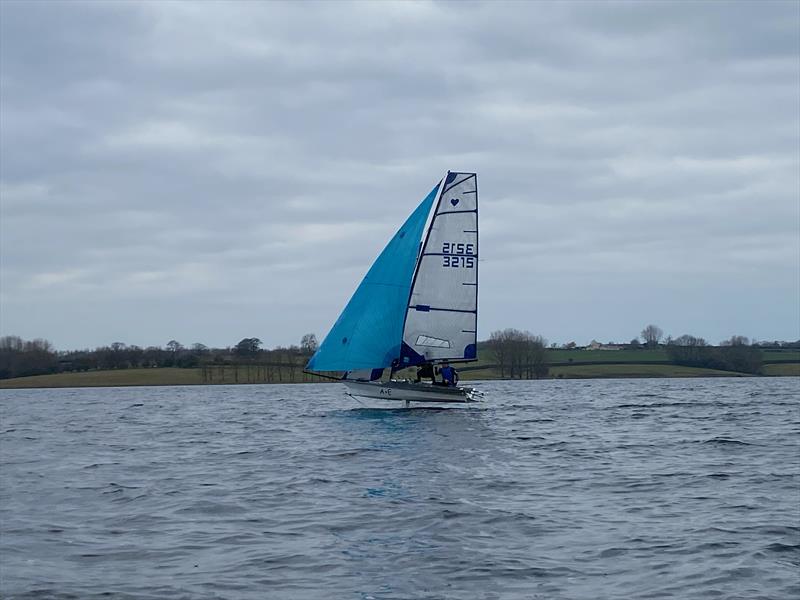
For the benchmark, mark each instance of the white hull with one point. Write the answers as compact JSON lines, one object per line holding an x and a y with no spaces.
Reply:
{"x":404,"y":391}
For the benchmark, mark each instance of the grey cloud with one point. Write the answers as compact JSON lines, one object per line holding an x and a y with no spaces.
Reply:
{"x":215,"y":170}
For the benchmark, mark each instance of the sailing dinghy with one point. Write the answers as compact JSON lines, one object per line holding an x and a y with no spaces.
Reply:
{"x":417,"y":304}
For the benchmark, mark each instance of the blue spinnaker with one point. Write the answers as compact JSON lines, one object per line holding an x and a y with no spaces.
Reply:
{"x":369,"y":331}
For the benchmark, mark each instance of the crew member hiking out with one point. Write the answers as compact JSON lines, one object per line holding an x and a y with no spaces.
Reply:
{"x":449,"y":375}
{"x":425,"y":370}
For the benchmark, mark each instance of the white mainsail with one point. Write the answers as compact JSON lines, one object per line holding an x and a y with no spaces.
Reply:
{"x":441,"y":322}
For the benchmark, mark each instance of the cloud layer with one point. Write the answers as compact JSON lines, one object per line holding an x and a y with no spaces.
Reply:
{"x":210,"y":171}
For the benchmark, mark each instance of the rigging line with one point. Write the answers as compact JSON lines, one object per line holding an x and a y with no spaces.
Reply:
{"x":323,"y":376}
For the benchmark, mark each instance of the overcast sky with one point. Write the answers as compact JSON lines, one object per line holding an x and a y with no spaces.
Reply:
{"x":211,"y":171}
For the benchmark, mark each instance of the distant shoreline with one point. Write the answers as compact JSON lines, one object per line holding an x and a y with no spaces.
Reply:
{"x":168,"y":376}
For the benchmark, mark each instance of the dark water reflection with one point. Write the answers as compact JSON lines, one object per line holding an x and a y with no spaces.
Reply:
{"x":557,"y":489}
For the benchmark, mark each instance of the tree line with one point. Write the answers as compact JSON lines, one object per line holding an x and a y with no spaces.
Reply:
{"x":517,"y":355}
{"x":21,"y":358}
{"x":736,"y":354}
{"x":523,"y":355}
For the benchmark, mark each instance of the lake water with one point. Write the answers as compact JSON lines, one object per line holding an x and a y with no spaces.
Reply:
{"x":552,"y":489}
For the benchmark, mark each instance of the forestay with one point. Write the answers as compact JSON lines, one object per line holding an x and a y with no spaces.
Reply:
{"x":441,"y":322}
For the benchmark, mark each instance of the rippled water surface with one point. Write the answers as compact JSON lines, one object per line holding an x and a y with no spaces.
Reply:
{"x":553,"y":489}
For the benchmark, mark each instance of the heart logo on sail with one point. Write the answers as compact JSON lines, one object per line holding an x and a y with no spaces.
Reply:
{"x":454,"y":201}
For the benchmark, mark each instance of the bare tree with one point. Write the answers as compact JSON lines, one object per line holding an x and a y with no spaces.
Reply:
{"x":19,"y":358}
{"x":308,"y":344}
{"x":174,"y":346}
{"x":519,"y":353}
{"x":535,"y":360}
{"x":689,"y":340}
{"x":732,"y":355}
{"x":652,"y":334}
{"x":736,"y":340}
{"x":11,"y":342}
{"x":498,"y":343}
{"x":248,"y":347}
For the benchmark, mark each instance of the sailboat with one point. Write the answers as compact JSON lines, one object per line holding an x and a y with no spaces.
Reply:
{"x":417,"y":304}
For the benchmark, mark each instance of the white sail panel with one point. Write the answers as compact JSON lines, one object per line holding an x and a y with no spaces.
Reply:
{"x":459,"y":194}
{"x":444,"y":296}
{"x":459,"y":328}
{"x":441,"y":286}
{"x":440,"y":235}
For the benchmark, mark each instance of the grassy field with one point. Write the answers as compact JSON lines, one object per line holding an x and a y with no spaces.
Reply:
{"x":597,"y":371}
{"x":647,"y":367}
{"x":163,"y":376}
{"x":783,"y":356}
{"x":633,"y":370}
{"x":647,"y":356}
{"x":783,"y":369}
{"x":119,"y":377}
{"x":627,"y":356}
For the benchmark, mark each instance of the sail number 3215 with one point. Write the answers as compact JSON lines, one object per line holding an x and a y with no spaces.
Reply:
{"x":458,"y":255}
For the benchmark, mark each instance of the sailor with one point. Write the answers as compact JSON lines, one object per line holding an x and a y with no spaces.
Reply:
{"x":449,"y":374}
{"x":425,"y":370}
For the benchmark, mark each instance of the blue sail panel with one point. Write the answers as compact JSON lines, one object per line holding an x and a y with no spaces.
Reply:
{"x":368,"y":333}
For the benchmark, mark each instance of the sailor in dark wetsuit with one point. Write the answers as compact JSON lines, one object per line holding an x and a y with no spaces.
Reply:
{"x":425,"y":370}
{"x":449,"y":375}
